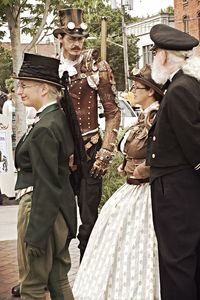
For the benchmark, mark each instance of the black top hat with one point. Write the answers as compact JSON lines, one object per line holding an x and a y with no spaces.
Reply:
{"x":169,"y":38}
{"x":144,"y":76}
{"x":40,"y":68}
{"x":71,"y":21}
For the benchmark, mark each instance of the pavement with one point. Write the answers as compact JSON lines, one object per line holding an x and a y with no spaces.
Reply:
{"x":8,"y":252}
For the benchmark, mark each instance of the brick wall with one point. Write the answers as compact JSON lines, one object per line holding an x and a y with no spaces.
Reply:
{"x":48,"y":49}
{"x":190,"y":9}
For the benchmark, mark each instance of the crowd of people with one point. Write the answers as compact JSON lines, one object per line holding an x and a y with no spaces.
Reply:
{"x":144,"y":244}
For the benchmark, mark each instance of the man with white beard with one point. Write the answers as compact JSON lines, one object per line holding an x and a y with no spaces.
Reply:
{"x":174,"y":157}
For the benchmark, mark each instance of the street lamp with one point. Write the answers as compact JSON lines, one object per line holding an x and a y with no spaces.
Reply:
{"x":125,"y":49}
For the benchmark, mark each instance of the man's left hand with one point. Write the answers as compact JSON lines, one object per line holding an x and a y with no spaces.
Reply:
{"x":102,"y":163}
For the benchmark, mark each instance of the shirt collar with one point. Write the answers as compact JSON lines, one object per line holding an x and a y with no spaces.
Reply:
{"x":173,"y":74}
{"x":154,"y":105}
{"x":45,"y":106}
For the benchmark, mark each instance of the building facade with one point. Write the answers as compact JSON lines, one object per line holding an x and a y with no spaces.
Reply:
{"x":46,"y":49}
{"x":141,"y":31}
{"x":187,"y":18}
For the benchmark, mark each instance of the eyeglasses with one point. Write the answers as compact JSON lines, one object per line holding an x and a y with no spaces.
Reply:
{"x":155,"y":51}
{"x":24,"y":86}
{"x":135,"y":87}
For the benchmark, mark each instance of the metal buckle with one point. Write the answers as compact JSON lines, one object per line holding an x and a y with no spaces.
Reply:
{"x":83,"y":75}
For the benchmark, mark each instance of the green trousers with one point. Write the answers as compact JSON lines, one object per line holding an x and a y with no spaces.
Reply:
{"x":50,"y":269}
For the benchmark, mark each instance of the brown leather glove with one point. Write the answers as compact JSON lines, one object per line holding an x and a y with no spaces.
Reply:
{"x":102,"y":163}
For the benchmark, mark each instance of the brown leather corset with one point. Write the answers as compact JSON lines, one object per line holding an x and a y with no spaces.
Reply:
{"x":85,"y":102}
{"x":136,"y":143}
{"x":135,"y":148}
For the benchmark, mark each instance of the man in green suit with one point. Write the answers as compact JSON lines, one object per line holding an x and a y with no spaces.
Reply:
{"x":47,"y":208}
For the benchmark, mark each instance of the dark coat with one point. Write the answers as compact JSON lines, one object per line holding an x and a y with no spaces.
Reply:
{"x":174,"y":138}
{"x":42,"y":162}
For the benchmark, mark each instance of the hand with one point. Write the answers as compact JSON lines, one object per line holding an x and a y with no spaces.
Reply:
{"x":99,"y":169}
{"x":102,"y":163}
{"x":121,"y":171}
{"x":136,"y":173}
{"x":71,"y":163}
{"x":34,"y":252}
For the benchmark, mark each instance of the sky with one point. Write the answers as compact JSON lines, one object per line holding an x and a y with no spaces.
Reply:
{"x":143,"y":8}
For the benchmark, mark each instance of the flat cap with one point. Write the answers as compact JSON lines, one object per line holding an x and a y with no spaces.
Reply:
{"x":169,"y":38}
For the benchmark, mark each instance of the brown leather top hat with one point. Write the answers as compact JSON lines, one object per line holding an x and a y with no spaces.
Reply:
{"x":71,"y":22}
{"x":40,"y":68}
{"x":144,"y":76}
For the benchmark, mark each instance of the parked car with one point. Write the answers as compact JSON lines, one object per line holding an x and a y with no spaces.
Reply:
{"x":128,"y":115}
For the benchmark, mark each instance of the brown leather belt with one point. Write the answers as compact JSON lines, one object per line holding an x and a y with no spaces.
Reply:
{"x":135,"y":181}
{"x":92,"y":141}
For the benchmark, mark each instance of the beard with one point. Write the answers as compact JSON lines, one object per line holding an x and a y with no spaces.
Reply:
{"x":159,"y":73}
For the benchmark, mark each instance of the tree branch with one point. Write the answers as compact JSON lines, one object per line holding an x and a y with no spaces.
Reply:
{"x":40,"y":29}
{"x":19,"y":10}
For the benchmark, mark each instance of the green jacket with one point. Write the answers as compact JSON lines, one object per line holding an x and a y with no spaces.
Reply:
{"x":42,"y":162}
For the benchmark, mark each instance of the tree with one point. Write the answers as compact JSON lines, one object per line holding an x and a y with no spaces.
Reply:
{"x":168,"y":10}
{"x":5,"y":67}
{"x":10,"y":13}
{"x":16,"y":14}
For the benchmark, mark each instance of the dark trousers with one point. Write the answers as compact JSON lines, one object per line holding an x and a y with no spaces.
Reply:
{"x":176,"y":213}
{"x":89,"y":196}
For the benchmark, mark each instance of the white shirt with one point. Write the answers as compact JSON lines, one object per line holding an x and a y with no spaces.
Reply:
{"x":68,"y":65}
{"x":30,"y":115}
{"x":8,"y":109}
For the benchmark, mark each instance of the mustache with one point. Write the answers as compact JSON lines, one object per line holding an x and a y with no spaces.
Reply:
{"x":76,"y":48}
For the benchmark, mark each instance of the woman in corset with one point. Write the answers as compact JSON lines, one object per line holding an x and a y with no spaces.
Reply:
{"x":121,"y":260}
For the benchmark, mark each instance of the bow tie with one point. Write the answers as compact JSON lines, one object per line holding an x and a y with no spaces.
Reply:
{"x":37,"y":114}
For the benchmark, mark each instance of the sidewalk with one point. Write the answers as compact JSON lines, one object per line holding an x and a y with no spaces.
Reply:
{"x":8,"y":253}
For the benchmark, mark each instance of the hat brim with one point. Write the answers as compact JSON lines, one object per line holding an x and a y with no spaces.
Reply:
{"x":58,"y":31}
{"x":39,"y":80}
{"x":147,"y":83}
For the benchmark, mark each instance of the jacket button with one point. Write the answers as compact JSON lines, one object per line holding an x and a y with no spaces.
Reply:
{"x":153,"y":155}
{"x":154,"y":138}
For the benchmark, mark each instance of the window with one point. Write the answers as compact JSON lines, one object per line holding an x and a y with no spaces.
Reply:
{"x":186,"y":24}
{"x":147,"y":55}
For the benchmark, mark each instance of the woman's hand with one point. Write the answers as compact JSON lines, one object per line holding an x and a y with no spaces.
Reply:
{"x":121,"y":171}
{"x":136,"y":173}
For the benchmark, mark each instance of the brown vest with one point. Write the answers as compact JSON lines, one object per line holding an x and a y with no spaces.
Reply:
{"x":85,"y":102}
{"x":136,"y":143}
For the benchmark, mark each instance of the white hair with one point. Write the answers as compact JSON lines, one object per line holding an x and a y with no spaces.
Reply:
{"x":55,"y":92}
{"x":175,"y":60}
{"x":178,"y":57}
{"x":191,"y":67}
